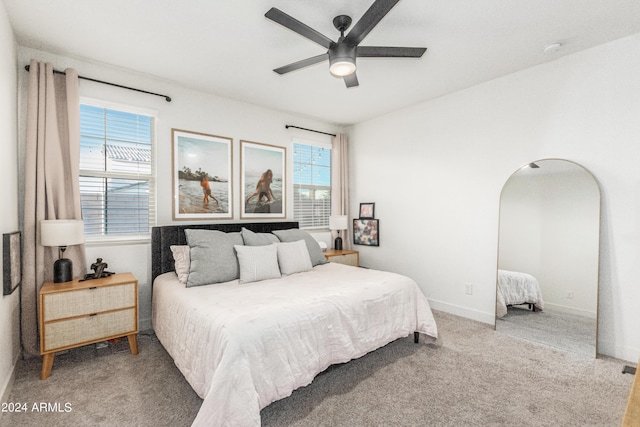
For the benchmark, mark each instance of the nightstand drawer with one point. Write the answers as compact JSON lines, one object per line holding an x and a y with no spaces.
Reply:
{"x":350,"y":259}
{"x":88,"y":301}
{"x":88,"y":328}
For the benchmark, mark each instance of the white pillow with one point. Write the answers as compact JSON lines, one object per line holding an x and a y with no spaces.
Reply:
{"x":181,"y":260}
{"x":257,"y":263}
{"x":293,"y":257}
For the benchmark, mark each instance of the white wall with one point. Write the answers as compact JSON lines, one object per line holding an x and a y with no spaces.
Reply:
{"x":189,"y":110}
{"x":9,"y":320}
{"x":435,"y":172}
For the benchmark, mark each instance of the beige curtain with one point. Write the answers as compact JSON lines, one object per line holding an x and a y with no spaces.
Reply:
{"x":52,"y":161}
{"x":340,"y":184}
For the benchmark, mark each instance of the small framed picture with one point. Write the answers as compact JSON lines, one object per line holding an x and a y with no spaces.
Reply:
{"x":366,"y":232}
{"x":367,"y":210}
{"x":11,"y":262}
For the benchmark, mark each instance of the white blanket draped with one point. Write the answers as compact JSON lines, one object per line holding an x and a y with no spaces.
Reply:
{"x":242,"y":347}
{"x":517,"y":288}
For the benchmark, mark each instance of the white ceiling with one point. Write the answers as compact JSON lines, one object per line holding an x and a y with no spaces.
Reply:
{"x":229,"y":48}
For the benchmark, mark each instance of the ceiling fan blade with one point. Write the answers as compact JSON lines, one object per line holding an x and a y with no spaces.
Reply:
{"x":301,"y":64}
{"x":389,"y":52}
{"x":278,"y":16}
{"x":351,"y":80}
{"x":369,"y":20}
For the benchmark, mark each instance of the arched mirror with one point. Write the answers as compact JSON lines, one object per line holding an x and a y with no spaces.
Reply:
{"x":548,"y":256}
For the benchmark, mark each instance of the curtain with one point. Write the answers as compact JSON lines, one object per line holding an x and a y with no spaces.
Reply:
{"x":51,"y":187}
{"x":340,"y":184}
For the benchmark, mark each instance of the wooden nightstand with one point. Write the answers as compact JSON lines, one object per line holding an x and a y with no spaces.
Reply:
{"x":77,"y":313}
{"x":343,"y":257}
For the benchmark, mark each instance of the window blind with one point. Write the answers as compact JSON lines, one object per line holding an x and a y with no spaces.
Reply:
{"x":311,"y":185}
{"x":116,"y":173}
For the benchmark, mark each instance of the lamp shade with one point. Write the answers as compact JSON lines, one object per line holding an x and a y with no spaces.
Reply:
{"x":61,"y":232}
{"x":338,"y":222}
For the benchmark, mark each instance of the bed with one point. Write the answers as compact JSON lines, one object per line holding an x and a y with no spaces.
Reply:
{"x":243,"y":345}
{"x":516,"y":288}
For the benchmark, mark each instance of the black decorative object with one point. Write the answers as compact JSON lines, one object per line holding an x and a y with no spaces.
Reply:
{"x":62,"y":268}
{"x":98,"y":268}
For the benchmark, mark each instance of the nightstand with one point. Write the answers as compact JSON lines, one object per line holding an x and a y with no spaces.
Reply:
{"x":343,"y":257}
{"x":77,"y":313}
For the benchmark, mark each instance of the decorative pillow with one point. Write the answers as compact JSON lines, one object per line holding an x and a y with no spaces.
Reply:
{"x":294,"y":234}
{"x":213,"y":257}
{"x":257,"y":263}
{"x":293,"y":257}
{"x":181,"y":260}
{"x":257,"y":239}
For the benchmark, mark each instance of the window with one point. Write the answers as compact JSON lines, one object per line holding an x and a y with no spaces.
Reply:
{"x":117,"y":186}
{"x":311,"y":185}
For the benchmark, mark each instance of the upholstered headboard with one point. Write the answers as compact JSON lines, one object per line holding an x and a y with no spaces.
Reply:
{"x":163,"y":237}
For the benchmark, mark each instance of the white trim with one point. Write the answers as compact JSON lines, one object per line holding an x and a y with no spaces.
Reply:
{"x":480,"y":316}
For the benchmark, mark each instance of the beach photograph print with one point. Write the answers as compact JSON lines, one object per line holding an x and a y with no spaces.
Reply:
{"x":202,"y":173}
{"x":263,"y":180}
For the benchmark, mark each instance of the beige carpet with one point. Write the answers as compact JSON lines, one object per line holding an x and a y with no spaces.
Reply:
{"x":473,"y":376}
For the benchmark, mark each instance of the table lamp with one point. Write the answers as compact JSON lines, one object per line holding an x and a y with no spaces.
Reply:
{"x":338,"y":223}
{"x":62,"y":233}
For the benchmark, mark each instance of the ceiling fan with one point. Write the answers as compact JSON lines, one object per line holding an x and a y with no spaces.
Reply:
{"x":343,"y":53}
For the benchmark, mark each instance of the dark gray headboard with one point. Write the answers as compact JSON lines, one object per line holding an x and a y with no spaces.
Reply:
{"x":163,"y":237}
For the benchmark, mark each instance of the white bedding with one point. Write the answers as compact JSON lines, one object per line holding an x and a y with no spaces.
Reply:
{"x":517,"y":288}
{"x":242,"y":347}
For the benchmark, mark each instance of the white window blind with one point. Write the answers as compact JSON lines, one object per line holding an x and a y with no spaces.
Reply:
{"x":311,"y":185}
{"x":117,"y":186}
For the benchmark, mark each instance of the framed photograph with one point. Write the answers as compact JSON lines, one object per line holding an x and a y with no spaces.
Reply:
{"x":366,"y":232}
{"x":202,"y":175}
{"x":11,"y":262}
{"x":367,"y":210}
{"x":262,"y":180}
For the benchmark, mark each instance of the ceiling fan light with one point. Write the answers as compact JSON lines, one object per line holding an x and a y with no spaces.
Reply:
{"x":341,"y":67}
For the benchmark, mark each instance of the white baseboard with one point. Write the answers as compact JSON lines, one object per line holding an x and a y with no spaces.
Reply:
{"x":570,"y":310}
{"x":457,"y":310}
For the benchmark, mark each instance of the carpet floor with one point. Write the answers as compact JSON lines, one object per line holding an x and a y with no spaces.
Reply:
{"x":472,"y":376}
{"x":557,"y":329}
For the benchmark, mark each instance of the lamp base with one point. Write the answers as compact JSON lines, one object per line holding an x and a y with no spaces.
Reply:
{"x":337,"y":244}
{"x":62,"y":270}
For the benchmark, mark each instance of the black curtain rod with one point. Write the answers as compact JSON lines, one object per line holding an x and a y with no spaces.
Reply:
{"x":167,"y":98}
{"x":310,"y":130}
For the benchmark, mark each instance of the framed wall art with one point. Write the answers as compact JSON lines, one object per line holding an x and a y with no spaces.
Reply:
{"x":202,"y":176}
{"x":366,"y":232}
{"x":11,"y":262}
{"x":367,"y":210}
{"x":263,"y":181}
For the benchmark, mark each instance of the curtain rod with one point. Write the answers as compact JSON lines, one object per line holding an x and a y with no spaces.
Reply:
{"x":310,"y":130}
{"x":167,"y":98}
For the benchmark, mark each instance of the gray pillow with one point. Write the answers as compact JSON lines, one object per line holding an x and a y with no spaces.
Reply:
{"x":258,"y":263}
{"x":294,"y":234}
{"x":213,"y":257}
{"x":257,"y":239}
{"x":293,"y":257}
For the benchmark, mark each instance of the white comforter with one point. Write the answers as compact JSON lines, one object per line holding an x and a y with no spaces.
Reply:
{"x":242,"y":347}
{"x":517,"y":288}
